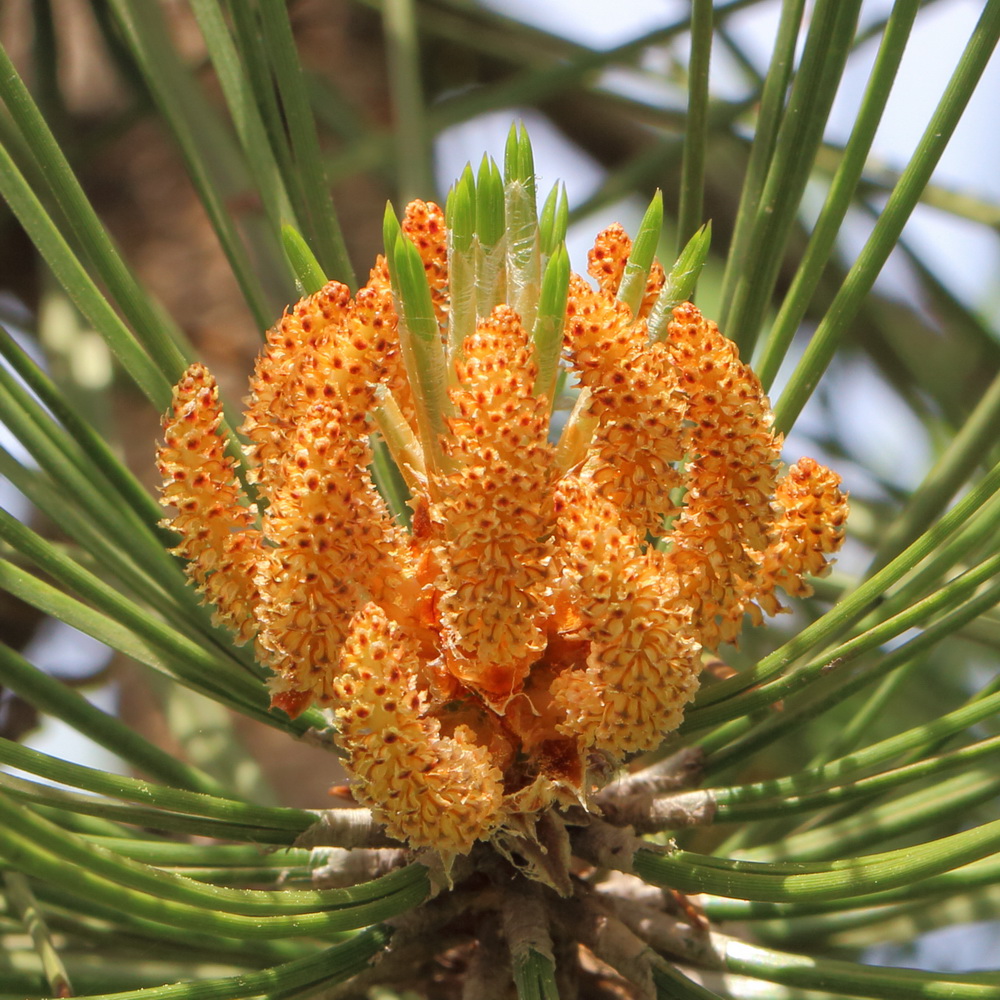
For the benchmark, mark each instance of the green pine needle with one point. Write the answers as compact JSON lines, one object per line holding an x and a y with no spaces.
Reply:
{"x":682,"y":280}
{"x":309,"y":275}
{"x":640,"y":260}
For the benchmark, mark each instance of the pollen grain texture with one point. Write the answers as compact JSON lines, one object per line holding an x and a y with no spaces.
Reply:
{"x":546,"y":613}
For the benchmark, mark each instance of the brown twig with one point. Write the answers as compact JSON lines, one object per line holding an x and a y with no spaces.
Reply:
{"x":652,"y":814}
{"x":683,"y":769}
{"x":334,"y":867}
{"x":607,"y":846}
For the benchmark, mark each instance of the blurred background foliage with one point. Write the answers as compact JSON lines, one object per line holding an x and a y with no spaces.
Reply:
{"x":179,"y":119}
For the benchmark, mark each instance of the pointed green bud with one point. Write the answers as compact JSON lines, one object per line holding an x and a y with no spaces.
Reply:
{"x":491,"y":260}
{"x":460,"y":212}
{"x":419,"y":340}
{"x":489,"y":204}
{"x":460,"y":216}
{"x":390,"y":482}
{"x":414,"y":294}
{"x":399,"y":438}
{"x":309,"y":275}
{"x":547,"y":332}
{"x":511,"y":155}
{"x":640,"y":260}
{"x":554,"y":220}
{"x":524,"y":259}
{"x":519,"y":160}
{"x":391,"y":230}
{"x":681,"y":281}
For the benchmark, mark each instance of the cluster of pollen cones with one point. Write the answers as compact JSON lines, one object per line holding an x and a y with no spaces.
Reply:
{"x":545,"y":611}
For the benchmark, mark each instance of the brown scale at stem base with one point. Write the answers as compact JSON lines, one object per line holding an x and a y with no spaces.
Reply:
{"x":606,"y":931}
